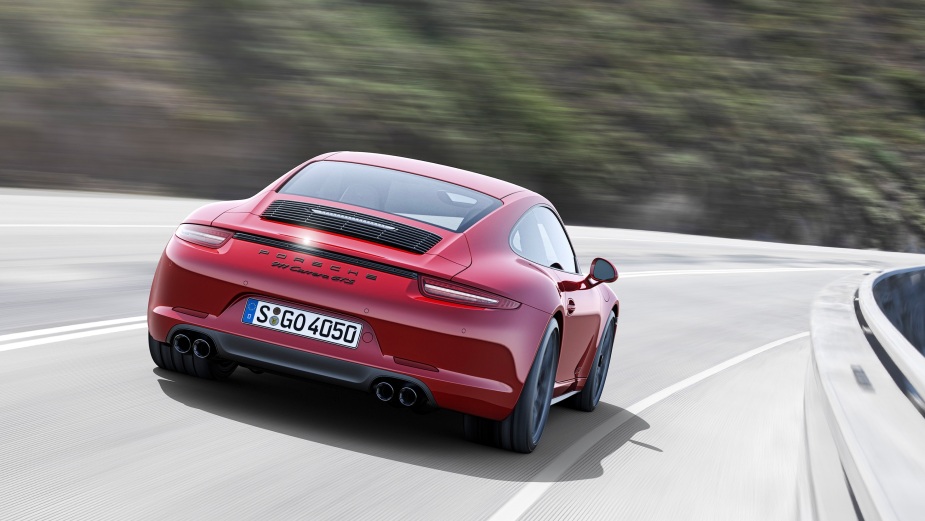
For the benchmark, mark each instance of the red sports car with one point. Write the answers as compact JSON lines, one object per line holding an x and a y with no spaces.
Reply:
{"x":426,"y":285}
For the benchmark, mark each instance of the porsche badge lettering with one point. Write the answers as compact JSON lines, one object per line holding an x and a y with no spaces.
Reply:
{"x":350,"y":279}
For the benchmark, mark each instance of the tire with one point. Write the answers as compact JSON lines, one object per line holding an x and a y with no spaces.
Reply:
{"x":522,"y":429}
{"x":588,"y":398}
{"x":166,"y":357}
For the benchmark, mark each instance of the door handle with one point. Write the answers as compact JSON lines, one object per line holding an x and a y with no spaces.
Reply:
{"x":570,"y":307}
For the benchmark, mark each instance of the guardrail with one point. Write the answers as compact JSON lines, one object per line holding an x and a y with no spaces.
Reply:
{"x":865,"y":438}
{"x":893,"y":305}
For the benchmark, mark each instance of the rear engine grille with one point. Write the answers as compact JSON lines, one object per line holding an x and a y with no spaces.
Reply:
{"x":353,"y":224}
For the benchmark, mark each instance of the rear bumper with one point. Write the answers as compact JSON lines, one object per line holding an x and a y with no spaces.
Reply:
{"x":468,"y":360}
{"x":279,"y":359}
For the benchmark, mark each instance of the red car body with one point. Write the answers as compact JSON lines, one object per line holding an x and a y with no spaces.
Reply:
{"x":464,"y":357}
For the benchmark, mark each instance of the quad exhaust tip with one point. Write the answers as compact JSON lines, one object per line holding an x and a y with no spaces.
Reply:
{"x":182,"y":343}
{"x":384,"y":391}
{"x":407,"y":396}
{"x":202,"y":348}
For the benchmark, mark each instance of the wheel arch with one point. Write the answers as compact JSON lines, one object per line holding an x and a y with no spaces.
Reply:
{"x":560,"y":321}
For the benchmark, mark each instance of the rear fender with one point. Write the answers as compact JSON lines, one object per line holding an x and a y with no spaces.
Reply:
{"x":584,"y":367}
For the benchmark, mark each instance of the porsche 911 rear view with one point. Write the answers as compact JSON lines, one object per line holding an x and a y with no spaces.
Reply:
{"x":424,"y":285}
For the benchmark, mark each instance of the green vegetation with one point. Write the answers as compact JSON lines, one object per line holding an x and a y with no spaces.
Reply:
{"x":787,"y":120}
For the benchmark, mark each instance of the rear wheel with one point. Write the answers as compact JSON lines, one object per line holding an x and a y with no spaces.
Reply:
{"x":590,"y":396}
{"x":522,"y":429}
{"x":166,"y":357}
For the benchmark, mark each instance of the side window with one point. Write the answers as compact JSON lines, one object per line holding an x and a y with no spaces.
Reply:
{"x":539,"y":237}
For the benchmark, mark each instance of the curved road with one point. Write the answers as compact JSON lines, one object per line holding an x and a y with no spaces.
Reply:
{"x":701,"y":417}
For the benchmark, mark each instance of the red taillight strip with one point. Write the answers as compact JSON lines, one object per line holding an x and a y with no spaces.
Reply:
{"x":203,"y":235}
{"x":460,"y":294}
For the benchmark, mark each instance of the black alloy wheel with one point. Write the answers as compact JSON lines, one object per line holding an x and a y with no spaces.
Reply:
{"x":590,"y":396}
{"x":522,"y":429}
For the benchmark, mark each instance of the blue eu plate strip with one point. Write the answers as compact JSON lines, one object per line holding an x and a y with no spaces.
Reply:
{"x":250,"y":309}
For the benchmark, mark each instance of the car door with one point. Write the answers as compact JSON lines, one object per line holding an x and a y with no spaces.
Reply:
{"x":540,"y":237}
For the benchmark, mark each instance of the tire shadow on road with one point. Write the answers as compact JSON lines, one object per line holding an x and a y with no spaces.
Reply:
{"x":355,"y":421}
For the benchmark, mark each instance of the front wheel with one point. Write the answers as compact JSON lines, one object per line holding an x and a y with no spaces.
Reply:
{"x":522,"y":429}
{"x":590,"y":396}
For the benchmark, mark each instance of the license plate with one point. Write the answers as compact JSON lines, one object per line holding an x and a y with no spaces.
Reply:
{"x":303,"y":323}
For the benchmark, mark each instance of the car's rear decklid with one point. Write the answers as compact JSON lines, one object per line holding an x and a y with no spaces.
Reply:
{"x":446,"y":259}
{"x":351,"y":223}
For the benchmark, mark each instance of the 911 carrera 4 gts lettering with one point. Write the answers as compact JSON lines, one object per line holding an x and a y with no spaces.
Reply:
{"x":299,"y":269}
{"x":317,"y":264}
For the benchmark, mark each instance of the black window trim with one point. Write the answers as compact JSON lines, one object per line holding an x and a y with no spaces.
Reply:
{"x":510,"y":239}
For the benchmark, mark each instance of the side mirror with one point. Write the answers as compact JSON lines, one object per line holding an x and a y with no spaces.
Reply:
{"x":603,"y":271}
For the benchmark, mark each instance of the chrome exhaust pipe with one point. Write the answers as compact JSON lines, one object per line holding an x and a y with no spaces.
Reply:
{"x":384,"y":391}
{"x":407,"y":396}
{"x":202,"y":348}
{"x":181,"y":343}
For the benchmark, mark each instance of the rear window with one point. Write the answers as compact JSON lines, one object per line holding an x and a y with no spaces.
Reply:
{"x":442,"y":204}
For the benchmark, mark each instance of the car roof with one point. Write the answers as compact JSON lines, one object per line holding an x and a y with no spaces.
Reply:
{"x":481,"y":183}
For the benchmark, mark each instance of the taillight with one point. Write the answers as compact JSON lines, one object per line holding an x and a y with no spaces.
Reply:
{"x":203,"y":235}
{"x":460,"y":294}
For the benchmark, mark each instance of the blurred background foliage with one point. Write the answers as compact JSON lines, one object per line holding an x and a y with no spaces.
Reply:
{"x":788,"y":120}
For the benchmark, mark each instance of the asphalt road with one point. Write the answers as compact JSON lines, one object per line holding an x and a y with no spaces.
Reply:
{"x":696,"y":422}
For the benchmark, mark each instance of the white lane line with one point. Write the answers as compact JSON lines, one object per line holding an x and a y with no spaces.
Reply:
{"x":88,"y":226}
{"x":532,"y":492}
{"x":65,"y":329}
{"x":668,"y":241}
{"x":693,"y":240}
{"x":634,"y":274}
{"x":71,"y":336}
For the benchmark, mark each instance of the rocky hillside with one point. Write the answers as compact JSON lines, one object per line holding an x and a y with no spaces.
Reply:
{"x":784,"y":120}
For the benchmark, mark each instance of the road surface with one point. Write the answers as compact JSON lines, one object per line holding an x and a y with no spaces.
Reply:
{"x":701,"y":417}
